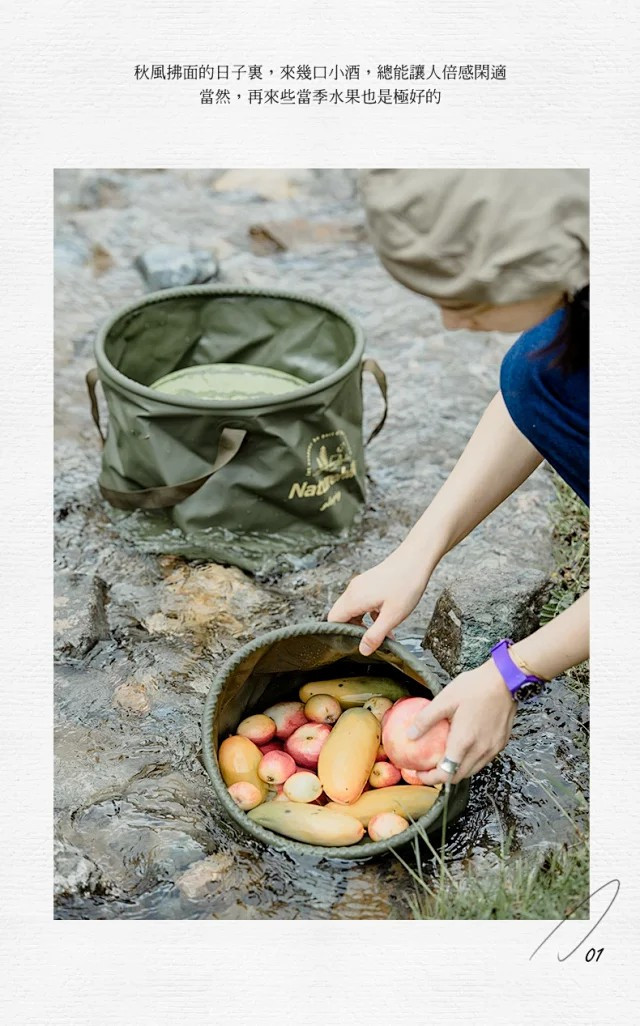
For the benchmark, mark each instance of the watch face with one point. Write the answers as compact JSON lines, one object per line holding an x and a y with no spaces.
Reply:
{"x":529,"y":692}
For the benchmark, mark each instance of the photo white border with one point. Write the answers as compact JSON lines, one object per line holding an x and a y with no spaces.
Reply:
{"x":570,"y":99}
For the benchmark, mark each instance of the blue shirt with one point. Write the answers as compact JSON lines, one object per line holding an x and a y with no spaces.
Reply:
{"x":549,"y":405}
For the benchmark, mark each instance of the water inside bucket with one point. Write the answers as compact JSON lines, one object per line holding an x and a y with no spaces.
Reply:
{"x":228,"y":381}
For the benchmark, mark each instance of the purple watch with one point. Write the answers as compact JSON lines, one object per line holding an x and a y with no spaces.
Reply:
{"x":510,"y":672}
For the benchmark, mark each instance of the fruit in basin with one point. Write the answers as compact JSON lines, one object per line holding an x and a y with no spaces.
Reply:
{"x":385,"y":825}
{"x":410,"y":802}
{"x":288,"y":716}
{"x":353,"y":691}
{"x":378,"y":705}
{"x":259,"y":728}
{"x":310,"y":823}
{"x":302,"y":787}
{"x":275,"y":767}
{"x":245,"y":795}
{"x":423,"y":754}
{"x":384,"y":774}
{"x":348,"y":755}
{"x":323,"y":709}
{"x":272,"y":746}
{"x":306,"y":743}
{"x":239,"y":759}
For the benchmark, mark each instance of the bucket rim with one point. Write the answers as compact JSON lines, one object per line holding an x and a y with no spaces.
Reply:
{"x":117,"y":378}
{"x":276,"y":841}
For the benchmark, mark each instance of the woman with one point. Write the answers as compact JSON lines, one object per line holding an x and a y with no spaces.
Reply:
{"x":497,"y":250}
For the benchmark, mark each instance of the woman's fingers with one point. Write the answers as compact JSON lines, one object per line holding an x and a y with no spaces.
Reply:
{"x":346,"y":609}
{"x":381,"y":628}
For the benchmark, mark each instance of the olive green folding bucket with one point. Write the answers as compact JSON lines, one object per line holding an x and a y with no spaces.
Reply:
{"x":272,"y":668}
{"x":234,"y":480}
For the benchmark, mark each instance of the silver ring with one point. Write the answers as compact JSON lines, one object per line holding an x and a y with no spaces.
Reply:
{"x":448,"y":765}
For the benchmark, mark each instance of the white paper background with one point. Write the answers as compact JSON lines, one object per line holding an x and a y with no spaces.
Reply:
{"x":69,"y":98}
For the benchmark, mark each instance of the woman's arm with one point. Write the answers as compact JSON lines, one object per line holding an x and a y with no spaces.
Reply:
{"x":496,"y":460}
{"x":479,"y":704}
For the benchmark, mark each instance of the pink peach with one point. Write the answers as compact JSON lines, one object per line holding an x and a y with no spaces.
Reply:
{"x":306,"y":742}
{"x":259,"y":728}
{"x":245,"y":795}
{"x":423,"y":754}
{"x":275,"y":767}
{"x":384,"y":774}
{"x":288,"y":716}
{"x":385,"y":825}
{"x":302,"y":787}
{"x":322,"y":709}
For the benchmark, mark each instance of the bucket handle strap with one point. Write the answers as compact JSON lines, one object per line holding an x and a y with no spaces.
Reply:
{"x":92,"y":380}
{"x":164,"y":495}
{"x":374,"y":368}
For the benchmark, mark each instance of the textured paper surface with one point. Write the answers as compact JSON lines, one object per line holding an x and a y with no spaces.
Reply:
{"x":70,"y":99}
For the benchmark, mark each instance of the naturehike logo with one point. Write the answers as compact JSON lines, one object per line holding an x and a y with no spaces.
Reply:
{"x":329,"y":461}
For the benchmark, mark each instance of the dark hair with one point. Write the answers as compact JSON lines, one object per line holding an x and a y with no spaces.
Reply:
{"x":570,"y":347}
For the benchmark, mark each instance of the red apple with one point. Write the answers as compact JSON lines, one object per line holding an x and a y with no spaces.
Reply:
{"x":323,"y":709}
{"x":288,"y":716}
{"x":384,"y":774}
{"x":385,"y":825}
{"x":272,"y":746}
{"x":275,"y":767}
{"x":306,"y":742}
{"x":302,"y":787}
{"x":423,"y":754}
{"x":259,"y":728}
{"x":245,"y":795}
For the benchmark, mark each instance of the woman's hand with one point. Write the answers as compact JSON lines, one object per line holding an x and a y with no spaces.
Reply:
{"x":481,"y":710}
{"x":389,"y":591}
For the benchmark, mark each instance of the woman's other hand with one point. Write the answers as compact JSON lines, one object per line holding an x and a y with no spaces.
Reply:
{"x":389,"y":592}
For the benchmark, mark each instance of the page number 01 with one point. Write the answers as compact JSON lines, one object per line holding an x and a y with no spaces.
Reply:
{"x":593,"y":955}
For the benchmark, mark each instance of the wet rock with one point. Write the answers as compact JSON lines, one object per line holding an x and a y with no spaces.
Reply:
{"x":92,"y":764}
{"x":80,"y":620}
{"x":101,"y":259}
{"x":70,"y":251}
{"x":149,"y":833}
{"x":201,"y":600}
{"x":133,"y":853}
{"x":475,"y":612}
{"x":199,"y":879}
{"x":73,"y":872}
{"x":134,"y":696}
{"x":301,"y":233}
{"x":268,"y":184}
{"x":166,"y":266}
{"x":101,"y":189}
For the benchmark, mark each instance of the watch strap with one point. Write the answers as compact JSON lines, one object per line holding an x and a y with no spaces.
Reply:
{"x":513,"y":676}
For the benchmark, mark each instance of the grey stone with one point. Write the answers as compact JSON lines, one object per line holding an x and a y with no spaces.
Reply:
{"x":80,"y":620}
{"x":69,"y":252}
{"x":476,"y":611}
{"x":73,"y":872}
{"x":167,"y":266}
{"x":101,"y":189}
